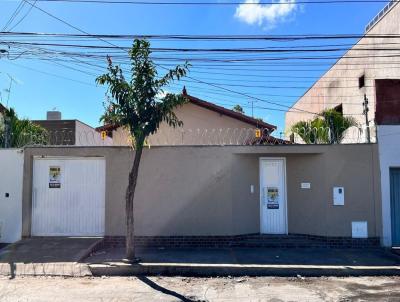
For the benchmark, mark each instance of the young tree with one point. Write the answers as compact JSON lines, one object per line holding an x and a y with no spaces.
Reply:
{"x":140,"y":105}
{"x":329,"y":128}
{"x":238,"y":108}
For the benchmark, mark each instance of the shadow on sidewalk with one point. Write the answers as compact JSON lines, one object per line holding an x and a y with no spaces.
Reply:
{"x":163,"y":290}
{"x":254,"y":256}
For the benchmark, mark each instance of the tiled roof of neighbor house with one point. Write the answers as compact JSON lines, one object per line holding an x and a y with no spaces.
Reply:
{"x":213,"y":107}
{"x":228,"y":112}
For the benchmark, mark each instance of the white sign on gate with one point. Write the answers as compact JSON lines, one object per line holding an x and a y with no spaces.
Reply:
{"x":54,"y":177}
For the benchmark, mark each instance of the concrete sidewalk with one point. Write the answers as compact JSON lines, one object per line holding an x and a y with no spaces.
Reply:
{"x":247,"y":261}
{"x":55,"y":256}
{"x":69,"y":257}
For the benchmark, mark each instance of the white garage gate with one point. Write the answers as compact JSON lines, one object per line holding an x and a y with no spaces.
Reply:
{"x":68,"y":196}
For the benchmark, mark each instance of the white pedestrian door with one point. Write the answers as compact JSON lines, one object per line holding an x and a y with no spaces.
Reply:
{"x":273,"y":196}
{"x":68,"y":197}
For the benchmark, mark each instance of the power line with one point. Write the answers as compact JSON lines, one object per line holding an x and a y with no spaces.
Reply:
{"x":14,"y":15}
{"x":279,"y":38}
{"x":209,"y":50}
{"x":230,"y":60}
{"x":268,"y":76}
{"x":223,"y":84}
{"x":255,"y":86}
{"x":209,"y":3}
{"x":239,"y":102}
{"x":85,"y":83}
{"x":250,"y":67}
{"x":50,"y":74}
{"x":199,"y":81}
{"x":240,"y":85}
{"x":22,"y":19}
{"x":390,"y":64}
{"x":234,"y":102}
{"x":294,"y":47}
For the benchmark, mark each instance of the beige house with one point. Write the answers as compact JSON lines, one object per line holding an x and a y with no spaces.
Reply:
{"x":204,"y":123}
{"x":344,"y":85}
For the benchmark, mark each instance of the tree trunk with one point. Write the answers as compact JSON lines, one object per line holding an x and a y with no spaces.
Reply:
{"x":130,"y":194}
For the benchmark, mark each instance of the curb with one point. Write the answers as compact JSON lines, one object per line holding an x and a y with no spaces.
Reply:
{"x":220,"y":270}
{"x":86,"y":253}
{"x":66,"y":269}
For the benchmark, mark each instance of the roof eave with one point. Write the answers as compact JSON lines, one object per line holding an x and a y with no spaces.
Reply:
{"x":222,"y":110}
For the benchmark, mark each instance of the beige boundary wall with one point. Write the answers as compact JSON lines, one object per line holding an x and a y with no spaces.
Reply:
{"x":205,"y":190}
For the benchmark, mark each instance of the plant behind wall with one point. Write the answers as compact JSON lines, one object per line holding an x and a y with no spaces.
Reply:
{"x":17,"y":133}
{"x":328,"y":128}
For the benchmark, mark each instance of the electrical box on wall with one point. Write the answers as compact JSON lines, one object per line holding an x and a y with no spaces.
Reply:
{"x":359,"y":229}
{"x":338,"y":196}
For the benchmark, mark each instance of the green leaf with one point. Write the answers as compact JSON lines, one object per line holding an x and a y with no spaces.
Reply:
{"x":328,"y":128}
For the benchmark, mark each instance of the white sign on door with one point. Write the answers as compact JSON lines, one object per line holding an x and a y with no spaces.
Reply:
{"x":273,"y":198}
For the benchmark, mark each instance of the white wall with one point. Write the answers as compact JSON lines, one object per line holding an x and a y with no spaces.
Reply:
{"x":87,"y":136}
{"x":11,"y":173}
{"x":389,"y":156}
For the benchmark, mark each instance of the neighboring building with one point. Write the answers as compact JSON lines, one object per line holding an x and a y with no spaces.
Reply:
{"x":388,"y":131}
{"x":70,"y":132}
{"x":204,"y":123}
{"x":343,"y":86}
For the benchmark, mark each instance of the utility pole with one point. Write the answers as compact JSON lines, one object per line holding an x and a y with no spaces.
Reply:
{"x":9,"y":88}
{"x":252,"y":107}
{"x":365,"y":112}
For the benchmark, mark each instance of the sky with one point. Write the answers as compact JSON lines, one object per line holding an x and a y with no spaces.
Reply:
{"x":41,"y":85}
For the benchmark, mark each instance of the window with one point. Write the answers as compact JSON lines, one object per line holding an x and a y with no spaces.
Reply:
{"x":361,"y":81}
{"x":339,"y":108}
